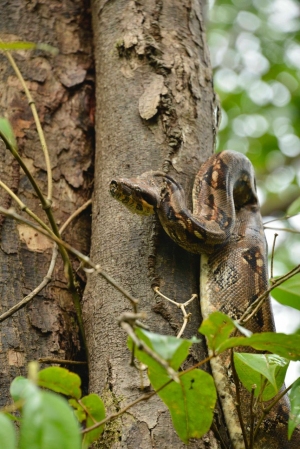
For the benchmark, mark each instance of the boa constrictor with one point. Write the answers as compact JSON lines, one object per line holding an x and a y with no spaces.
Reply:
{"x":226,"y":228}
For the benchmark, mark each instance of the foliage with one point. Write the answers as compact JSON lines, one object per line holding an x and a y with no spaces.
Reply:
{"x":49,"y":421}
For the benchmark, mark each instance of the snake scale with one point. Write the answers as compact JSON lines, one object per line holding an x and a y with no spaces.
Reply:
{"x":226,"y":228}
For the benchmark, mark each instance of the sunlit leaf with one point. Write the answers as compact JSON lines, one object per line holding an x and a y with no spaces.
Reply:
{"x":60,"y":380}
{"x":288,"y":293}
{"x":294,"y":419}
{"x":266,"y":371}
{"x":7,"y":433}
{"x":171,"y":349}
{"x":217,"y":329}
{"x":94,"y":407}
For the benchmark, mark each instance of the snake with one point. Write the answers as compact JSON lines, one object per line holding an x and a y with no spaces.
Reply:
{"x":225,"y":227}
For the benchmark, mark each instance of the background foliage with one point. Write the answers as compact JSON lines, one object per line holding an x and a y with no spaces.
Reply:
{"x":255,"y":53}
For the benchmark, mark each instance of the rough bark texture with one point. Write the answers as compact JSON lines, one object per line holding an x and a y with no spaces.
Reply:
{"x":155,"y":110}
{"x":62,"y":88}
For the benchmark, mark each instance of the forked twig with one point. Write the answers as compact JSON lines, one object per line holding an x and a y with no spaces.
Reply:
{"x":181,"y":306}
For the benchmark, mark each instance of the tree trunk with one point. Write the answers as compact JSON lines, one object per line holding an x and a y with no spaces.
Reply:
{"x":155,"y":111}
{"x":62,"y":89}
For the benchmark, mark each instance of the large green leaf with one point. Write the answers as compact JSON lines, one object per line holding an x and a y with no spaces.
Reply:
{"x":60,"y":380}
{"x":288,"y":293}
{"x":48,"y":423}
{"x":191,"y":401}
{"x":217,"y":329}
{"x":266,"y":371}
{"x":7,"y":433}
{"x":294,"y":419}
{"x":94,"y":407}
{"x":287,"y":346}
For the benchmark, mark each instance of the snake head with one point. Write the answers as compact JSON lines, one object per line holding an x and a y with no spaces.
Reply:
{"x":140,"y":195}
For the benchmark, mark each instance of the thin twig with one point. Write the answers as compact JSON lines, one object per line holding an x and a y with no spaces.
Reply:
{"x":266,"y":410}
{"x":75,"y":214}
{"x":145,"y":348}
{"x":37,"y":123}
{"x":46,"y":204}
{"x":293,"y":231}
{"x":60,"y":361}
{"x":34,"y":292}
{"x":145,"y":397}
{"x":285,"y":217}
{"x":114,"y":416}
{"x":48,"y":276}
{"x":24,"y":208}
{"x":272,"y":255}
{"x":238,"y":399}
{"x":252,"y":416}
{"x":257,"y":304}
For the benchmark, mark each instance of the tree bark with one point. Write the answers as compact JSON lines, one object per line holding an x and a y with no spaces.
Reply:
{"x":155,"y":111}
{"x":62,"y":88}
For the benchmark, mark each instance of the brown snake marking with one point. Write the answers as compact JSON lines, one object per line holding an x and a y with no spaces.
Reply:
{"x":226,"y":228}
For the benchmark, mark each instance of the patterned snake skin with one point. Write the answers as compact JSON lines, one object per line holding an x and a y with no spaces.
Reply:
{"x":226,"y":228}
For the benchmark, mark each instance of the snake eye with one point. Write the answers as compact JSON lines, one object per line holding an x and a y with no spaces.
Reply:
{"x":113,"y":187}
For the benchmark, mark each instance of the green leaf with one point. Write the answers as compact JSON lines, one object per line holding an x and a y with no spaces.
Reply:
{"x":294,"y":208}
{"x":288,"y":293}
{"x":294,"y":419}
{"x":48,"y":423}
{"x":19,"y":45}
{"x":173,"y":350}
{"x":96,"y":413}
{"x":287,"y":346}
{"x":7,"y":133}
{"x":191,"y":401}
{"x":78,"y":410}
{"x":7,"y":433}
{"x":255,"y":369}
{"x":217,"y":329}
{"x":22,"y":388}
{"x":60,"y":380}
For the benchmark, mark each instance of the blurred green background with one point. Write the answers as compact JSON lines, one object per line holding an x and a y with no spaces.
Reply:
{"x":255,"y":54}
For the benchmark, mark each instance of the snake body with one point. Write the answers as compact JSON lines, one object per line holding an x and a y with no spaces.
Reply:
{"x":226,"y":228}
